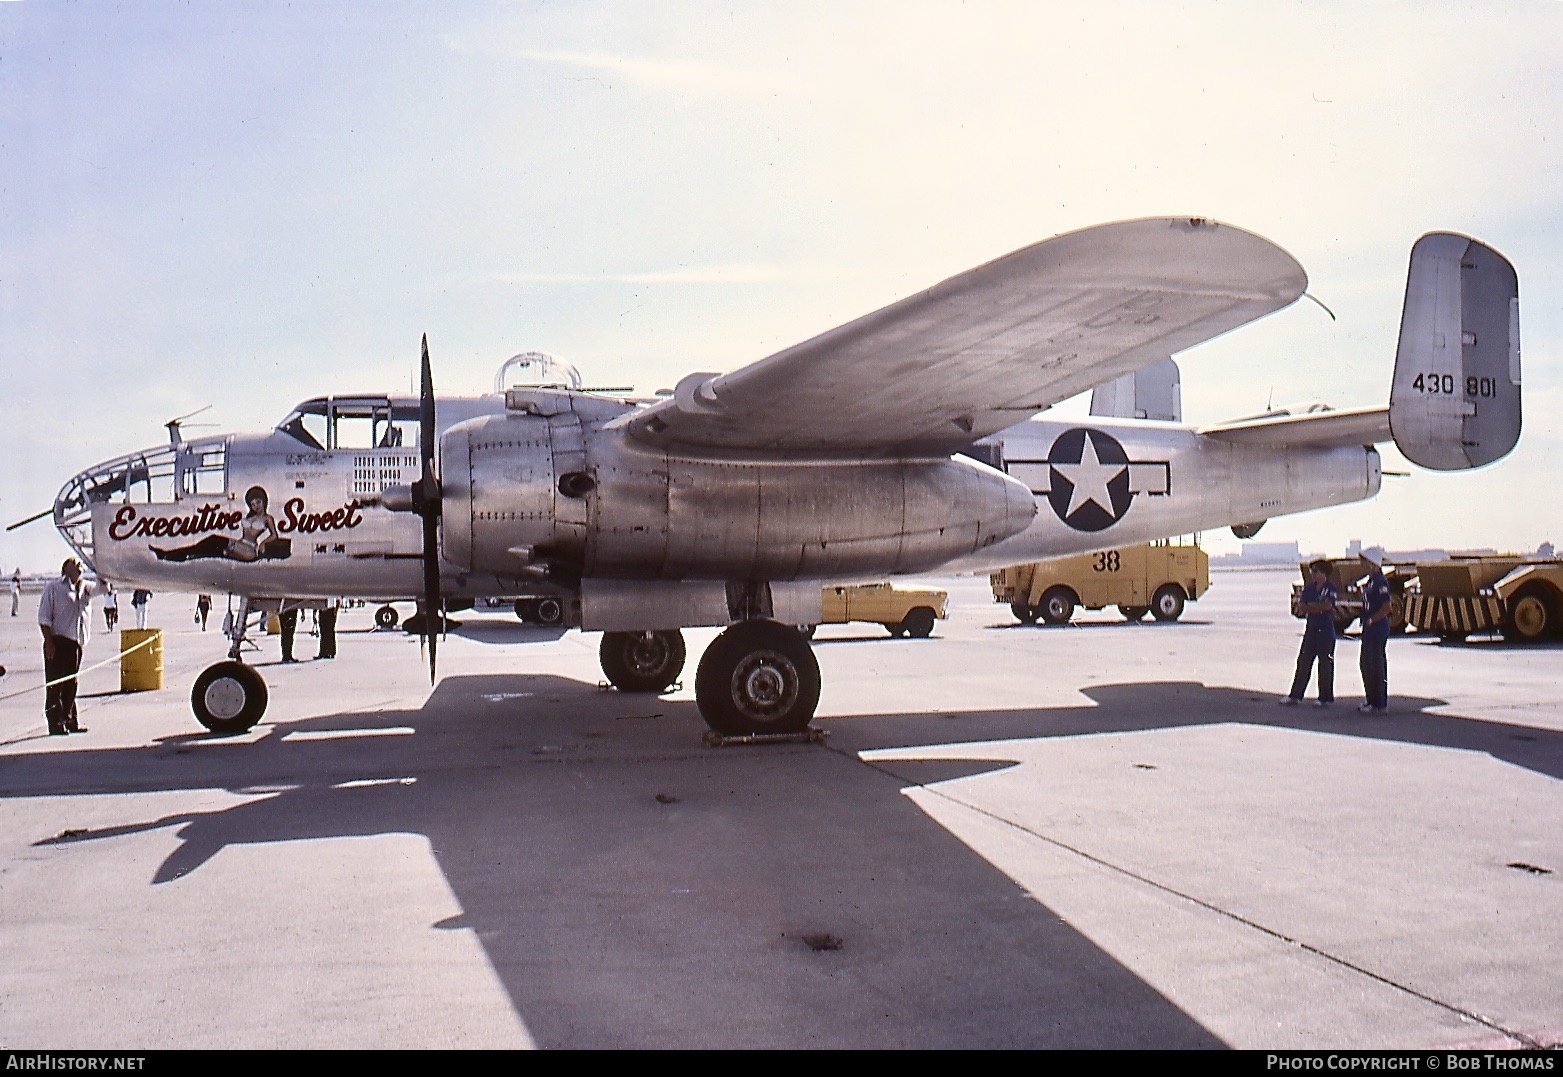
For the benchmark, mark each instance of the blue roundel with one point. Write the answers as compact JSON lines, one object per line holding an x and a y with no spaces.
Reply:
{"x":1088,"y":479}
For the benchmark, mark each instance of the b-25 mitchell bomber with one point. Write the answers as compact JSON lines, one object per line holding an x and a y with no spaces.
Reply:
{"x":902,"y":442}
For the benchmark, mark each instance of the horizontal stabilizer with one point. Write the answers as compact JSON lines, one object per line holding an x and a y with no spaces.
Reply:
{"x":1455,"y":399}
{"x":1351,"y":426}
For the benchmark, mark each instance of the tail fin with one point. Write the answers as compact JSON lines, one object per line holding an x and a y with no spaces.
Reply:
{"x":1455,"y":399}
{"x":1152,"y":392}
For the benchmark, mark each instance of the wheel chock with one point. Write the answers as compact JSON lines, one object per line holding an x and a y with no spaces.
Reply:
{"x":712,"y":739}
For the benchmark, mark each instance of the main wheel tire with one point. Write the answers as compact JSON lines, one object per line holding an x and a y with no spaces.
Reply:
{"x":1167,"y":602}
{"x":757,"y":677}
{"x":548,"y":611}
{"x":386,"y":617}
{"x":1532,"y":614}
{"x":1134,"y":613}
{"x":808,"y":630}
{"x":1058,"y":605}
{"x":642,"y":661}
{"x":1023,"y":613}
{"x":1343,"y":622}
{"x":228,"y":698}
{"x":919,"y":622}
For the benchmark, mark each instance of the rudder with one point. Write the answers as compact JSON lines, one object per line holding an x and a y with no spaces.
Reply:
{"x":1455,"y":399}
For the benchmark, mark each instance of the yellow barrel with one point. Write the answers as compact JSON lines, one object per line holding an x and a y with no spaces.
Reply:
{"x":142,"y":670}
{"x":273,"y":625}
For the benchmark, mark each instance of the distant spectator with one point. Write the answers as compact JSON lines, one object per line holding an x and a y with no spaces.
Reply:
{"x":139,"y":602}
{"x":110,"y":607}
{"x":16,"y":592}
{"x":287,"y":621}
{"x":203,"y":610}
{"x":327,"y":622}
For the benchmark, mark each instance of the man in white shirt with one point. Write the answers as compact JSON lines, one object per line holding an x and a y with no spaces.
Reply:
{"x":62,"y":616}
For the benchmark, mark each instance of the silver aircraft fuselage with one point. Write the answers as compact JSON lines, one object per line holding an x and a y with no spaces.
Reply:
{"x":1101,"y":483}
{"x":537,"y":479}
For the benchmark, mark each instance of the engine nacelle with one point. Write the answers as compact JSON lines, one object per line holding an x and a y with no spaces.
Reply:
{"x":664,"y":516}
{"x":525,"y":489}
{"x":503,"y":508}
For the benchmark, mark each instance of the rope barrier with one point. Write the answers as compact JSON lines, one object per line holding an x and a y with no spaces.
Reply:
{"x":72,"y":676}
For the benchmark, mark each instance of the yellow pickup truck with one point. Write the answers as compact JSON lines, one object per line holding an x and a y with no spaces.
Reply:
{"x":904,"y":611}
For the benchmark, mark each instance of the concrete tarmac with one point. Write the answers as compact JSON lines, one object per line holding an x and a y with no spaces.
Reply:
{"x":1101,"y":835}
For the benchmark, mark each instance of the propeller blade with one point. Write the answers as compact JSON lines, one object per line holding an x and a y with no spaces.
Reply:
{"x":428,"y":502}
{"x":426,"y":411}
{"x":432,"y":605}
{"x":30,"y":519}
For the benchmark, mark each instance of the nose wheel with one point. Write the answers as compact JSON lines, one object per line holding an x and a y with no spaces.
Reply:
{"x":758,"y":677}
{"x":228,"y":698}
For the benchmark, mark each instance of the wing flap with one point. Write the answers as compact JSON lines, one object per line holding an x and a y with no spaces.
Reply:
{"x":989,"y":347}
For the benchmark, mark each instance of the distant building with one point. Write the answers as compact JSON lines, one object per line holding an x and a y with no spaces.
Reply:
{"x":1260,"y":555}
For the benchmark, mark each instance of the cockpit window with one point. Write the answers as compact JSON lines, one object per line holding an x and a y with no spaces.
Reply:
{"x":359,"y":424}
{"x":402,"y":433}
{"x":307,"y":424}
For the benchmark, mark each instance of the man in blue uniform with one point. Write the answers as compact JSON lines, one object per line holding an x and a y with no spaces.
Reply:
{"x":1376,"y":604}
{"x":1317,"y":603}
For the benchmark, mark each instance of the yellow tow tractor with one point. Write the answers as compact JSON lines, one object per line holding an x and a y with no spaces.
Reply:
{"x":1521,"y":597}
{"x":1156,"y":578}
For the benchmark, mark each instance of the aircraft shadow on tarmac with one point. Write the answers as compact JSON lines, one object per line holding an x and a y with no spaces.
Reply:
{"x":705,"y":914}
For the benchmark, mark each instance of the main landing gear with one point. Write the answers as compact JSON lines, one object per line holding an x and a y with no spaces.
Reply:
{"x":757,"y":677}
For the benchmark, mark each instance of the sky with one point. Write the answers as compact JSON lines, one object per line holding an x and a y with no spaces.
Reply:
{"x":249,"y":203}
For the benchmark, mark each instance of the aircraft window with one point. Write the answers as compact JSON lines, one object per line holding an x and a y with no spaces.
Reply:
{"x":360,"y":425}
{"x":307,"y":424}
{"x":402,"y":431}
{"x":203,"y":473}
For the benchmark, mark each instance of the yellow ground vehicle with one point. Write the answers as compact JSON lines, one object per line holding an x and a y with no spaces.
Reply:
{"x":904,"y":611}
{"x":1155,"y":578}
{"x":1522,"y":597}
{"x":1347,"y":574}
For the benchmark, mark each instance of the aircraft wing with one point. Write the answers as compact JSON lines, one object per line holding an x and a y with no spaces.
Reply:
{"x":987,"y":348}
{"x":1350,"y":426}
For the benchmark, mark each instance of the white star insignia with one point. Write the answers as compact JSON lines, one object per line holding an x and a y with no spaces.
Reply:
{"x":1090,"y":478}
